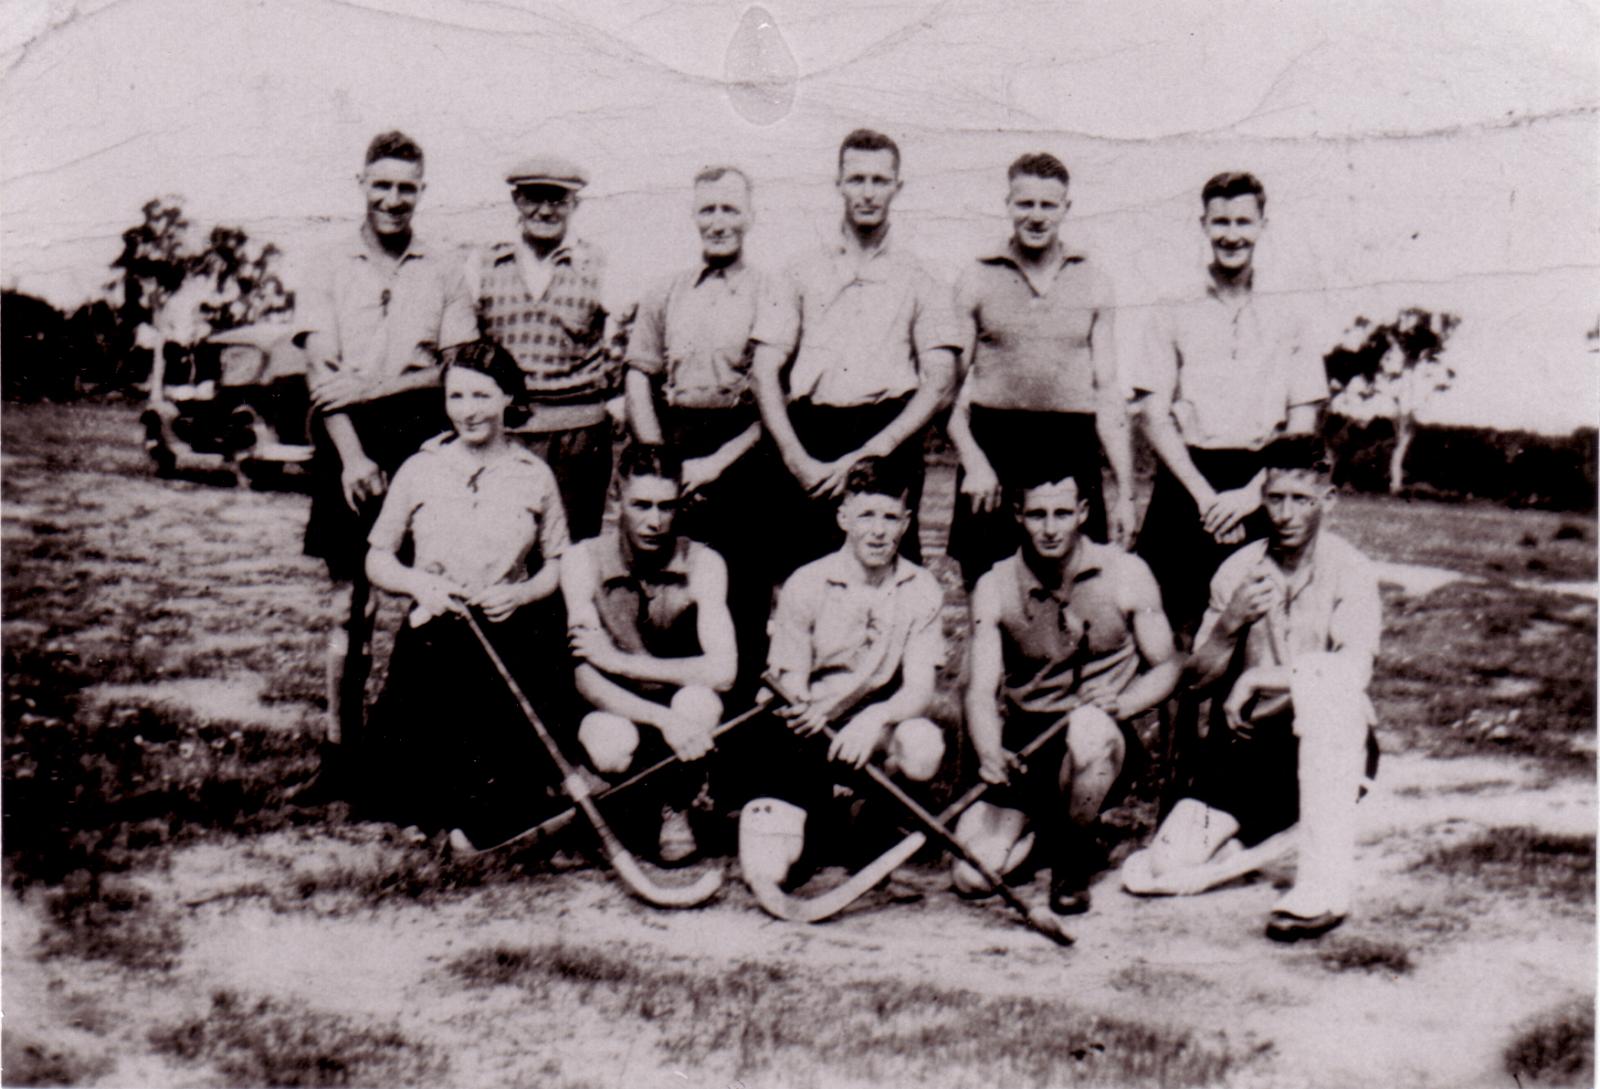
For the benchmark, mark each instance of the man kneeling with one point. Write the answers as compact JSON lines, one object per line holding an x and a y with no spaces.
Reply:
{"x":856,"y":639}
{"x":648,"y":615}
{"x":1064,"y":627}
{"x":1292,"y":629}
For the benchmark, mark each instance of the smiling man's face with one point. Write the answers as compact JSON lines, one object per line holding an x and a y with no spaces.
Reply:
{"x":1233,"y":224}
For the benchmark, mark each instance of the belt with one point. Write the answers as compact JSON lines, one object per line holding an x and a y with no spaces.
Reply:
{"x":543,"y":418}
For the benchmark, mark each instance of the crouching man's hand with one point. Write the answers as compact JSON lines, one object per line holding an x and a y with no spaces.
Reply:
{"x":860,"y":738}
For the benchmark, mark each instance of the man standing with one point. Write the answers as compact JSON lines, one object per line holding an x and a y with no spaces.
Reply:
{"x":1224,"y":374}
{"x":873,"y":341}
{"x":1291,"y":633}
{"x":541,"y":297}
{"x":378,"y":307}
{"x":856,"y":640}
{"x":1063,"y":627}
{"x":688,"y":386}
{"x":1041,"y":376}
{"x":647,"y":609}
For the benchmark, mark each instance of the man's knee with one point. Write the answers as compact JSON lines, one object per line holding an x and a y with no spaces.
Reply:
{"x":610,"y":740}
{"x":698,"y":703}
{"x":994,"y":835}
{"x":1093,"y":737}
{"x":916,"y":749}
{"x":1328,"y":692}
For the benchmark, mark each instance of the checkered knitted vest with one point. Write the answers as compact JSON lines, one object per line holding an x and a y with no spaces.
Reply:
{"x":557,"y":340}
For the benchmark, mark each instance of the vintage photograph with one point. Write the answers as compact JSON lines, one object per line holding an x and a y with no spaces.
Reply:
{"x":789,"y":545}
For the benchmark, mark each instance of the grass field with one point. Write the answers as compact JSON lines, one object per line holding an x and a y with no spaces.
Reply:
{"x":170,"y":920}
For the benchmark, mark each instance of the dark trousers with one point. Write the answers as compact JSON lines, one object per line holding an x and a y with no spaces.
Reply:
{"x":580,"y":458}
{"x":806,"y":529}
{"x":1024,"y":447}
{"x":732,"y":515}
{"x":1173,"y":541}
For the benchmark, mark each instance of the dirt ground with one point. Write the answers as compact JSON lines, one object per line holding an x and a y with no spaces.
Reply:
{"x":169,"y":921}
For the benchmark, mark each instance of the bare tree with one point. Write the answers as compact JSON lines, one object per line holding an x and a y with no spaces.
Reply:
{"x":1392,"y":369}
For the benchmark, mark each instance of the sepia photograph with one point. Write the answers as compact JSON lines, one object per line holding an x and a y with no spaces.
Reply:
{"x":775,"y":544}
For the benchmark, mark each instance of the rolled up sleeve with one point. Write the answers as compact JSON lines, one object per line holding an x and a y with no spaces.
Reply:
{"x":777,"y":323}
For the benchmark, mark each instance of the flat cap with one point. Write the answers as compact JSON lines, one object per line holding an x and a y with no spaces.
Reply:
{"x":547,"y":170}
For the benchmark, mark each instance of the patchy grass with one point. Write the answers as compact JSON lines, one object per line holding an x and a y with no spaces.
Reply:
{"x":1522,"y":861}
{"x":1483,"y":669}
{"x":1477,"y":538}
{"x":27,"y":1062}
{"x":772,"y":1017}
{"x":264,"y":1043}
{"x":1555,"y":1049}
{"x":1357,"y":954}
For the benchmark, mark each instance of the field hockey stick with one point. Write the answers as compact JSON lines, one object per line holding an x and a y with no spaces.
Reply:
{"x":577,"y":788}
{"x":814,"y":909}
{"x":1038,"y":919}
{"x":551,"y":825}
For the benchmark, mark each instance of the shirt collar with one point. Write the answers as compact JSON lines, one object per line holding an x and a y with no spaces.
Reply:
{"x":1085,"y":565}
{"x":727,"y":272}
{"x":843,"y":570}
{"x":846,"y":246}
{"x":359,"y":247}
{"x":1011,"y":254}
{"x":618,"y":568}
{"x":560,"y":257}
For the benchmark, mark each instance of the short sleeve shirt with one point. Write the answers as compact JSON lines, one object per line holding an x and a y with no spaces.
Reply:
{"x":1329,"y":605}
{"x":1062,"y":644}
{"x":861,"y":322}
{"x":1029,"y":349}
{"x":477,"y":524}
{"x":846,"y":636}
{"x":1233,"y":367}
{"x":693,"y":333}
{"x":386,"y":319}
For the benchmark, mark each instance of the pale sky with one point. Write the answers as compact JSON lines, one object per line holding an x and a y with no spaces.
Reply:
{"x":1415,"y":153}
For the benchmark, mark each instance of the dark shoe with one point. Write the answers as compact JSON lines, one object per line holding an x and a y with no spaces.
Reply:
{"x":1069,"y":891}
{"x":1284,"y":927}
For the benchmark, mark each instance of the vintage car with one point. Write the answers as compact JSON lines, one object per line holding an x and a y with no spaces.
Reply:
{"x":235,"y":401}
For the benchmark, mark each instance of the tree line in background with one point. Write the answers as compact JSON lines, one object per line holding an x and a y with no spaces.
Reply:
{"x":219,"y":281}
{"x":1381,"y":374}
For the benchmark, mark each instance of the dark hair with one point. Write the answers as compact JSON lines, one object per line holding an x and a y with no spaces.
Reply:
{"x":1039,"y":165}
{"x":649,"y":459}
{"x":1232,"y":184}
{"x":1043,"y":471}
{"x":875,"y":476}
{"x":868,"y":140}
{"x":1297,"y":453}
{"x":717,"y":173}
{"x":487,"y":357}
{"x":393,"y":145}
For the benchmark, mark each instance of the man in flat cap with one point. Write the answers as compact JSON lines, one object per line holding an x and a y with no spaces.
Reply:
{"x":376,"y":307}
{"x":540,"y":297}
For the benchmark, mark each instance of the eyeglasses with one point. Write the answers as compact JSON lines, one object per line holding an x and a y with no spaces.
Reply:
{"x":544,"y":202}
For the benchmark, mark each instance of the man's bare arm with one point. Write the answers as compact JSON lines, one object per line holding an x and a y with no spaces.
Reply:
{"x":766,"y":371}
{"x":642,"y":419}
{"x":1152,"y":634}
{"x":985,"y":671}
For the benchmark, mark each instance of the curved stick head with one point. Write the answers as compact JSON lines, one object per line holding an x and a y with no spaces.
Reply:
{"x":654,"y":892}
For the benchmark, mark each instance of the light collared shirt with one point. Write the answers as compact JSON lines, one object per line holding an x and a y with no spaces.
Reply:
{"x":477,"y":524}
{"x":1330,"y":604}
{"x":1233,"y":365}
{"x":845,"y":635}
{"x":1062,"y":645}
{"x":1032,"y":346}
{"x":693,"y":333}
{"x":862,"y":321}
{"x":385,"y":318}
